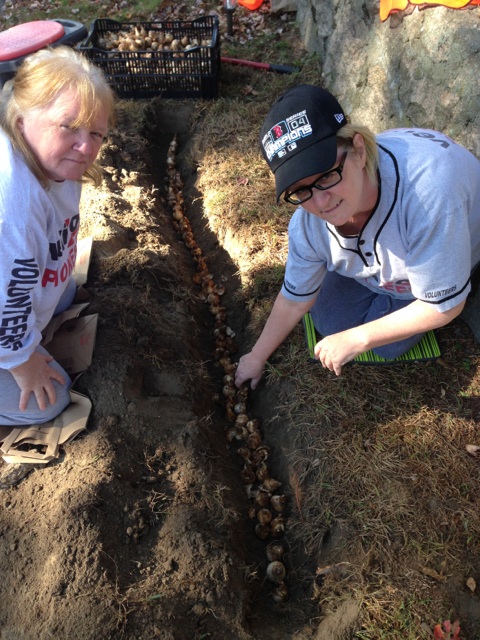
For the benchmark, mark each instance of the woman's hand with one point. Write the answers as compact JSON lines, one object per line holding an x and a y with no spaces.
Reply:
{"x":249,"y":368}
{"x":35,"y":376}
{"x":336,"y":350}
{"x":284,"y":315}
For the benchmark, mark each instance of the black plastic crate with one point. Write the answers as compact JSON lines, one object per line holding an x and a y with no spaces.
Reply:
{"x":191,"y":73}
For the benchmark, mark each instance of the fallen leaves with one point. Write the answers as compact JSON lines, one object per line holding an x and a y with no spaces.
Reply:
{"x":447,"y":631}
{"x":248,"y":90}
{"x":472,"y":449}
{"x":431,"y":573}
{"x":471,"y":584}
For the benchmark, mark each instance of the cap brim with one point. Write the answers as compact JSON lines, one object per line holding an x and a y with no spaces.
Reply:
{"x":317,"y":158}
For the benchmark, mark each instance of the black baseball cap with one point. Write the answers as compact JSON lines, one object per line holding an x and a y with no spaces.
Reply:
{"x":298,"y":137}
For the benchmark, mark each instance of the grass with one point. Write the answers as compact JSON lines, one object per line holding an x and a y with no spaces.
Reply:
{"x":396,"y":472}
{"x":379,"y":477}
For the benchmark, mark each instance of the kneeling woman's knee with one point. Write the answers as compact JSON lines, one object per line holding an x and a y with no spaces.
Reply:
{"x":397,"y":349}
{"x":53,"y":410}
{"x":10,"y":414}
{"x":390,"y":351}
{"x":33,"y":415}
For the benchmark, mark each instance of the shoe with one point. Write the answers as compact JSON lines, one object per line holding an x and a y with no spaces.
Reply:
{"x":11,"y":474}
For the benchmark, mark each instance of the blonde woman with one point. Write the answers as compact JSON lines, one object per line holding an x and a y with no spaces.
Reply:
{"x":54,"y":116}
{"x":385,"y":236}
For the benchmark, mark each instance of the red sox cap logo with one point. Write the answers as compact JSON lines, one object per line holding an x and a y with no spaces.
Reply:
{"x":277,"y":131}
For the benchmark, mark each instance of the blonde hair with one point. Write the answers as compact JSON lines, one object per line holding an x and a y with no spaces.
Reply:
{"x":345,"y":137}
{"x":40,"y":78}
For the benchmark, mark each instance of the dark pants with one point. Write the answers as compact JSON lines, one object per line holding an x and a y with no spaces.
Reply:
{"x":343,"y":303}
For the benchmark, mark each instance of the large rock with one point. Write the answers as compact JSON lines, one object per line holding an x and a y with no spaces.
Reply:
{"x":423,"y":73}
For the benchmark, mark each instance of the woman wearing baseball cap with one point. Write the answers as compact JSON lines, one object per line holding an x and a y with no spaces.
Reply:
{"x":384,"y":238}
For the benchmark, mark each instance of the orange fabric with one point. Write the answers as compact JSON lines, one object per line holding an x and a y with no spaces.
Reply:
{"x":250,"y":4}
{"x":390,"y":6}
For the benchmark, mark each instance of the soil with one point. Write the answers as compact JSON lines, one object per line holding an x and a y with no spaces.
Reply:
{"x":140,"y":528}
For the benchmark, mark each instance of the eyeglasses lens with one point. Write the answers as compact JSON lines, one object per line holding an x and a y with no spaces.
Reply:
{"x":327,"y":181}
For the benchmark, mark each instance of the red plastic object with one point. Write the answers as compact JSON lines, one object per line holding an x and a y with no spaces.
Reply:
{"x":28,"y":37}
{"x":250,"y":4}
{"x":280,"y":68}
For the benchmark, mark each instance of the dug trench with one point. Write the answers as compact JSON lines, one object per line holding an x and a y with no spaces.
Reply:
{"x":226,"y":555}
{"x":143,"y":528}
{"x":186,"y":544}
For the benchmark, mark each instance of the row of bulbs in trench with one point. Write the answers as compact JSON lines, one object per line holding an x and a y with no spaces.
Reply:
{"x":266,"y":503}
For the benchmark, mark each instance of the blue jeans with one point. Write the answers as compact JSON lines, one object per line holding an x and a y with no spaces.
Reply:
{"x":343,"y":303}
{"x":10,"y":415}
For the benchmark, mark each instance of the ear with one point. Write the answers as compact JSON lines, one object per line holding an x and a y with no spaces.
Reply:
{"x":360,"y":149}
{"x":20,"y":123}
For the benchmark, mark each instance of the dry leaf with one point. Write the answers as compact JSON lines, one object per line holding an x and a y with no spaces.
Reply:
{"x":471,"y":584}
{"x":431,"y":573}
{"x":242,"y":182}
{"x":472,"y":449}
{"x":447,"y":631}
{"x":325,"y":570}
{"x":248,"y":90}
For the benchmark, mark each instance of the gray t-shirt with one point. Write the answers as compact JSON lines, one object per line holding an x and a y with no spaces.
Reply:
{"x":38,"y":235}
{"x":423,"y":237}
